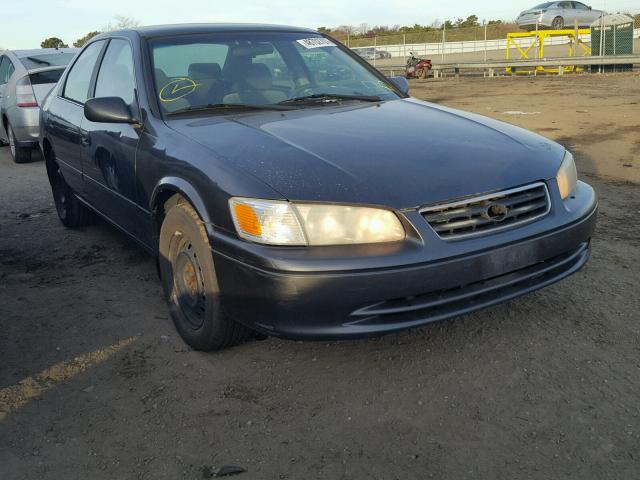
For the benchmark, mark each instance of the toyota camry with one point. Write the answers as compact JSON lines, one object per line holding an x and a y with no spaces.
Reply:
{"x":283,"y":185}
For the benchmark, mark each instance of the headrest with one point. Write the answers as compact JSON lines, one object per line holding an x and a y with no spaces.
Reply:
{"x":200,"y":71}
{"x":161,"y":77}
{"x":258,"y":76}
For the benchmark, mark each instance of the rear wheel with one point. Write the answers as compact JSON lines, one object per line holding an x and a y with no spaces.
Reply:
{"x":19,"y":154}
{"x":557,"y":23}
{"x":71,"y":211}
{"x":190,"y":284}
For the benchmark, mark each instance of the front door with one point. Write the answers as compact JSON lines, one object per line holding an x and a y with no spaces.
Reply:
{"x":568,"y":13}
{"x":109,"y":162}
{"x":584,"y":15}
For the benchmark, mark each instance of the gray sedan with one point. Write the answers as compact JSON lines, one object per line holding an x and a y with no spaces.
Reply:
{"x":558,"y":15}
{"x":26,"y":77}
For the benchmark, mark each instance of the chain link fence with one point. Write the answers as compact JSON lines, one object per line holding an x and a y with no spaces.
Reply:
{"x":482,"y":43}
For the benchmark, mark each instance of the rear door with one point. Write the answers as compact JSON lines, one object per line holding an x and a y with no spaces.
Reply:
{"x":6,"y":70}
{"x":584,"y":14}
{"x":110,"y":148}
{"x":65,"y":114}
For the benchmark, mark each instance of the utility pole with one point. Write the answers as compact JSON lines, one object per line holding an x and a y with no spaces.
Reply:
{"x":485,"y":41}
{"x":444,"y":38}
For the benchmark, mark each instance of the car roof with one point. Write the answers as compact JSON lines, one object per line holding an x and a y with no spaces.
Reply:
{"x":195,"y":28}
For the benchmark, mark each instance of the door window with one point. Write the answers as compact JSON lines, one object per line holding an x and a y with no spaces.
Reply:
{"x":580,"y":6}
{"x":79,"y":78}
{"x":116,"y":77}
{"x":565,"y":5}
{"x":6,"y":70}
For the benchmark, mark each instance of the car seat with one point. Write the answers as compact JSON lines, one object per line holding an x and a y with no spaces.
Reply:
{"x":255,"y":87}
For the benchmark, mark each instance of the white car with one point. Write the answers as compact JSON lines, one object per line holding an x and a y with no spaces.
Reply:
{"x":26,"y":77}
{"x":558,"y":15}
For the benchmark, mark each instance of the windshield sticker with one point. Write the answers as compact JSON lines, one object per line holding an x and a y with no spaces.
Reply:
{"x":177,"y":89}
{"x":316,"y":42}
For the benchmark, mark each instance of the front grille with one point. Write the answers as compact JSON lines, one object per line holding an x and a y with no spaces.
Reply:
{"x":489,"y":213}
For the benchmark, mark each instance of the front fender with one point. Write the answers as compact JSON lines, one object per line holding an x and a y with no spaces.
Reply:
{"x":184,"y":188}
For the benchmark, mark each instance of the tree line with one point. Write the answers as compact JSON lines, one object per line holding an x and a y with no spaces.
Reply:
{"x":341,"y":32}
{"x":364,"y":30}
{"x":119,"y":23}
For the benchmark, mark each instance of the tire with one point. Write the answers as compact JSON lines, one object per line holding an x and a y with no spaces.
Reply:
{"x":190,"y":283}
{"x":19,"y":154}
{"x":557,"y":23}
{"x":71,"y":212}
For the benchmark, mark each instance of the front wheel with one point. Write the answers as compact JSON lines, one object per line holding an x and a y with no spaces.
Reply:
{"x":190,"y":284}
{"x":557,"y":23}
{"x":19,"y":154}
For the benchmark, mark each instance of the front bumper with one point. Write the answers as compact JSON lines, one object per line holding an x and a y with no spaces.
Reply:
{"x":320,"y":296}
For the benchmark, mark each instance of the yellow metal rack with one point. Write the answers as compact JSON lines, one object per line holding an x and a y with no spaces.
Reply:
{"x":537,"y":46}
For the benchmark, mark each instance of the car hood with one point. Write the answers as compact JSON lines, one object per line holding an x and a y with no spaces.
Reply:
{"x":401,"y":154}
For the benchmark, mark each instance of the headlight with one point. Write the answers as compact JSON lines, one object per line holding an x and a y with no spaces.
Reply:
{"x":284,"y":223}
{"x":567,"y":176}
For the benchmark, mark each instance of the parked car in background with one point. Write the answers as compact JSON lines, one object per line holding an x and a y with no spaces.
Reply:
{"x":26,"y":77}
{"x":371,"y":53}
{"x":305,"y":207}
{"x":558,"y":15}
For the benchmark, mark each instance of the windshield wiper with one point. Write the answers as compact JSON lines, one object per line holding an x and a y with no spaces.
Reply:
{"x":39,"y":60}
{"x":228,"y":106}
{"x":330,"y":97}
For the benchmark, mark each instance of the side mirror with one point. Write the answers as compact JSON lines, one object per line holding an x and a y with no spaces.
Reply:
{"x":108,"y":110}
{"x":401,"y":84}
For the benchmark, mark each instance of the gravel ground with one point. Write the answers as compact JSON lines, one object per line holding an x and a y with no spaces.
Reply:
{"x":95,"y":383}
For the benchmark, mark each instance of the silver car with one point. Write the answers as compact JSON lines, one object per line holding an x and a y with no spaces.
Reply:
{"x":371,"y":53}
{"x":558,"y":15}
{"x":26,"y":77}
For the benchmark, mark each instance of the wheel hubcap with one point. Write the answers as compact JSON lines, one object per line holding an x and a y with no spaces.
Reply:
{"x":189,"y":285}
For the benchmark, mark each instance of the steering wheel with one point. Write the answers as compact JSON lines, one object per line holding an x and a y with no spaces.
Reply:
{"x":302,"y":91}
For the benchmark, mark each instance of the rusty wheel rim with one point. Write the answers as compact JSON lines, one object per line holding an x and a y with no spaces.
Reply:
{"x":188,"y":282}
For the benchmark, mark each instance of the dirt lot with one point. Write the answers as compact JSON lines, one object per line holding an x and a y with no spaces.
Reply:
{"x":96,"y":384}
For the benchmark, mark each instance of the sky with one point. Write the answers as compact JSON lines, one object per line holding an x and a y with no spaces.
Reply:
{"x":26,"y":23}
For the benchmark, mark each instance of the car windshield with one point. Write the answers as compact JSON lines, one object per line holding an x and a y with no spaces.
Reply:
{"x":39,"y":60}
{"x":544,"y":5}
{"x":196,"y":72}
